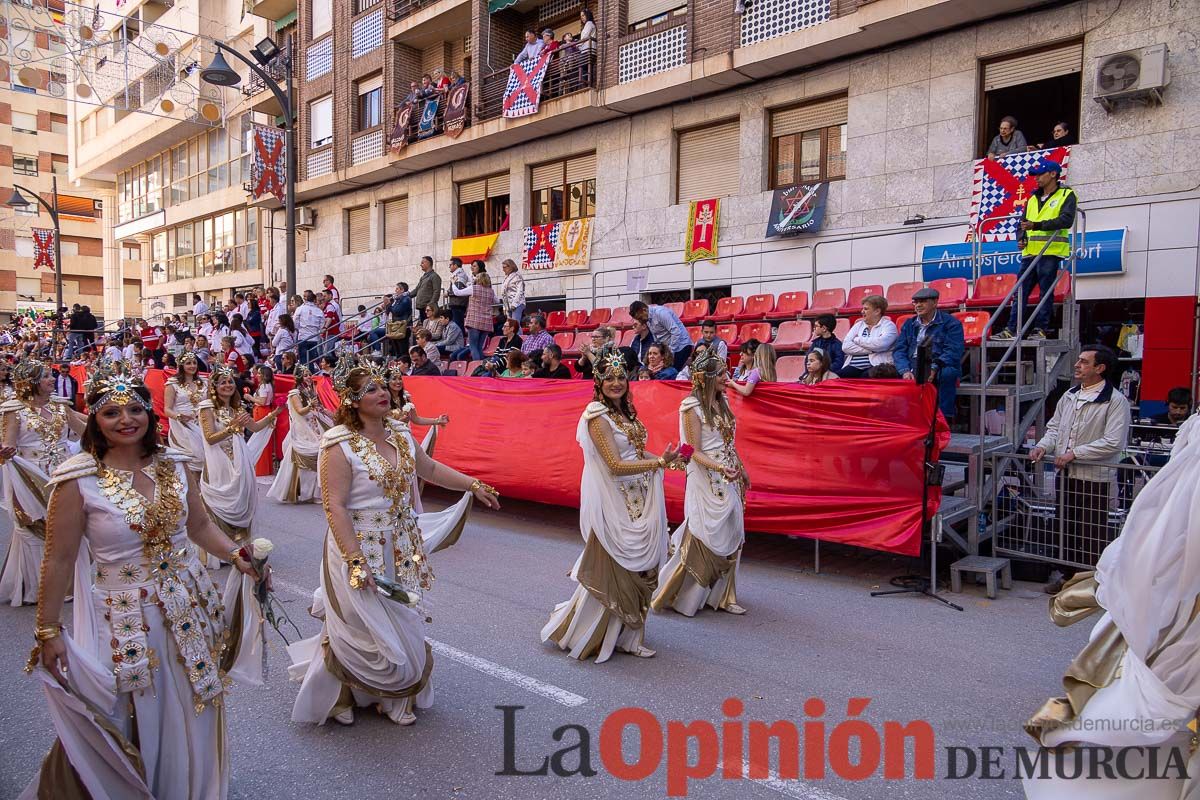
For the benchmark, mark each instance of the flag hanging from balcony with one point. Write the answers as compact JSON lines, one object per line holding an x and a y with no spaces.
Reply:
{"x":427,"y":126}
{"x":268,"y":167}
{"x":399,"y":135}
{"x":524,"y":89}
{"x":1001,"y":187}
{"x":43,"y":247}
{"x":574,"y":244}
{"x":456,"y":110}
{"x":541,"y":246}
{"x":701,"y":233}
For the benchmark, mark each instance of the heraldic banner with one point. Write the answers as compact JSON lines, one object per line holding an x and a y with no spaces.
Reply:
{"x":540,"y":246}
{"x":797,"y":210}
{"x":574,"y":244}
{"x":701,"y":233}
{"x":428,"y":125}
{"x":1001,"y":187}
{"x":524,"y":88}
{"x":399,"y":135}
{"x":268,"y":168}
{"x":456,"y":110}
{"x":43,"y":247}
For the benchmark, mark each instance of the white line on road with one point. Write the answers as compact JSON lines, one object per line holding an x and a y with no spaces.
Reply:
{"x":530,"y":684}
{"x":798,"y":789}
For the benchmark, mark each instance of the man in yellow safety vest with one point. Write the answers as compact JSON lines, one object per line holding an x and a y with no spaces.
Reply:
{"x":1049,"y":215}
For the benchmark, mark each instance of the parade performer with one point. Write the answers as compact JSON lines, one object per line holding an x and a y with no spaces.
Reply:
{"x":371,"y":650}
{"x":707,"y":547}
{"x":7,"y":390}
{"x":34,"y":429}
{"x":623,"y":519}
{"x":136,"y":689}
{"x":1140,"y":663}
{"x":296,"y":481}
{"x":404,"y":413}
{"x":181,"y":405}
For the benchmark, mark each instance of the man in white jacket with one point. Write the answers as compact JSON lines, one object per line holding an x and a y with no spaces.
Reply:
{"x":309,"y":321}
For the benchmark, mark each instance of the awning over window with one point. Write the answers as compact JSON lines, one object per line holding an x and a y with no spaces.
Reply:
{"x":500,"y":5}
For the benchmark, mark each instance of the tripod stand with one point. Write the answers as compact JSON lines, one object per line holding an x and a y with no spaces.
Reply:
{"x":931,"y":474}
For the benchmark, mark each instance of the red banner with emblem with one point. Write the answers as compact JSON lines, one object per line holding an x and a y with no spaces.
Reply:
{"x":701,"y":233}
{"x":43,"y":247}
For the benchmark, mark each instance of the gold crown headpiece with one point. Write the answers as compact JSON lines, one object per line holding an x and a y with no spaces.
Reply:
{"x":115,"y":388}
{"x":610,"y":363}
{"x":27,"y":372}
{"x":349,"y":366}
{"x":188,"y":356}
{"x":708,"y":364}
{"x":218,"y":373}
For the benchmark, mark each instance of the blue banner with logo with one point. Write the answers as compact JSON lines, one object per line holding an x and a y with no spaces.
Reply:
{"x":1102,"y":253}
{"x":797,"y":210}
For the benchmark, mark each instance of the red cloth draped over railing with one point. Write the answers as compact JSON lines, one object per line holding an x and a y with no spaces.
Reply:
{"x":839,"y":462}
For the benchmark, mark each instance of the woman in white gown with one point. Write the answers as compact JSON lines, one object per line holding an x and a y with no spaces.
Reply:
{"x":296,"y":480}
{"x":371,"y":650}
{"x":404,"y":413}
{"x":35,"y":427}
{"x":1141,"y":662}
{"x":182,"y":396}
{"x":623,"y":519}
{"x":706,"y":548}
{"x":136,"y":689}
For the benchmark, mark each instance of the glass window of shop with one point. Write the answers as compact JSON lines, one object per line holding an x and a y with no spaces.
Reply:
{"x":204,"y":247}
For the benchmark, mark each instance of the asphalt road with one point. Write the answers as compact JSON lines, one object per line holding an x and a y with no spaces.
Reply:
{"x":973,"y":676}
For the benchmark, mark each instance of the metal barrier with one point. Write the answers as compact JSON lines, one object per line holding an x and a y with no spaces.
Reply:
{"x":1061,"y":516}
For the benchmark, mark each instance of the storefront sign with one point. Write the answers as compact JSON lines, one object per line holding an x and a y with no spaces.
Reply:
{"x":1102,"y":253}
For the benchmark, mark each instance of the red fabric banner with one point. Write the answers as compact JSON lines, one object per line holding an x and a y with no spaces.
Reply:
{"x":704,"y":217}
{"x":43,"y":247}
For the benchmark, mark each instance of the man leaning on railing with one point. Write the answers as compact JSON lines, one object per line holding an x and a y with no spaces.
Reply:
{"x":1090,"y":424}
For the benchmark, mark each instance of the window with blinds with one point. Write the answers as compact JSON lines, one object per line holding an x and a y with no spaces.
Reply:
{"x":358,"y":230}
{"x":643,"y":13}
{"x":1033,"y":67}
{"x":1043,"y":88}
{"x":708,"y":162}
{"x":320,"y":121}
{"x":808,"y":142}
{"x":395,"y":223}
{"x":563,"y":190}
{"x":483,"y":205}
{"x":370,"y":103}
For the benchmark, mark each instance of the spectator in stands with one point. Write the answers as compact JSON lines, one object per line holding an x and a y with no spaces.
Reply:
{"x":510,"y":339}
{"x":823,"y":328}
{"x":947,"y":345}
{"x":199,"y":306}
{"x":401,"y":308}
{"x":641,"y":340}
{"x":1061,"y":136}
{"x":883,"y":371}
{"x":458,"y":293}
{"x":533,"y":48}
{"x":287,"y":363}
{"x":552,"y":366}
{"x":203,"y":350}
{"x":745,"y":359}
{"x":512,"y":291}
{"x":657,"y":366}
{"x":870,"y":340}
{"x":708,"y":335}
{"x":762,"y":369}
{"x":478,"y":312}
{"x":434,"y":322}
{"x":1090,"y":423}
{"x":429,"y":287}
{"x":241,"y":338}
{"x":597,"y":339}
{"x":549,"y":45}
{"x":427,"y":89}
{"x":1045,"y":242}
{"x":326,"y":365}
{"x":230,"y":356}
{"x":1179,"y":407}
{"x":425,"y":342}
{"x":1008,"y":140}
{"x":452,"y":341}
{"x":276,"y":309}
{"x":817,"y":367}
{"x":666,"y":328}
{"x":515,"y":365}
{"x":421,"y":363}
{"x":414,"y":92}
{"x":309,"y":321}
{"x":538,"y":338}
{"x":285,"y":338}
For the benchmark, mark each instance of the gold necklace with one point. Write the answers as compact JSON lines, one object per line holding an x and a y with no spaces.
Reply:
{"x":155,"y":522}
{"x":50,"y":430}
{"x":634,"y":431}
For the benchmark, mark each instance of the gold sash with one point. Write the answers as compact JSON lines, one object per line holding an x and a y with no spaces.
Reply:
{"x":624,"y":593}
{"x":705,"y":567}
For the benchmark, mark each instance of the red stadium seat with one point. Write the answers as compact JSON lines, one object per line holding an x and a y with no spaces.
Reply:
{"x":899,"y":295}
{"x":990,"y":290}
{"x":565,"y":340}
{"x":1061,"y":289}
{"x":854,"y":300}
{"x":620,"y":318}
{"x":694,"y":311}
{"x":973,"y":324}
{"x":459,"y":367}
{"x":695,"y":332}
{"x":789,"y":369}
{"x":492,"y":343}
{"x":792,"y":335}
{"x":755,"y":330}
{"x":842,"y":328}
{"x":471,"y":367}
{"x":677,"y":308}
{"x":581,"y":338}
{"x":903,"y":318}
{"x":727,"y":309}
{"x":625,"y":338}
{"x":576,"y":318}
{"x":598,"y":317}
{"x":758,"y":306}
{"x":728,"y":332}
{"x":556,"y":321}
{"x":952,"y":292}
{"x":789,"y":306}
{"x":826,"y":301}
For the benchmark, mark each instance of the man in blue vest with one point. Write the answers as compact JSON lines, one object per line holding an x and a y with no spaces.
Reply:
{"x":1049,"y":215}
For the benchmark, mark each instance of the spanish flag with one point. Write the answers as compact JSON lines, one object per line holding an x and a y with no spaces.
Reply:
{"x":469,"y":248}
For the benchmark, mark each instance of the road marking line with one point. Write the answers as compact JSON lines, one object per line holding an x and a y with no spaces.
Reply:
{"x":792,"y":788}
{"x":530,"y":684}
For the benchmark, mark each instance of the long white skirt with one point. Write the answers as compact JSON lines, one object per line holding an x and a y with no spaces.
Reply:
{"x":22,"y":567}
{"x":188,"y":437}
{"x":307,"y":487}
{"x":591,"y":628}
{"x":691,"y":596}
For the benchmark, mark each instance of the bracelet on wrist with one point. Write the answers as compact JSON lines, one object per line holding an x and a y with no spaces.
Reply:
{"x":44,"y":633}
{"x":477,"y":484}
{"x":356,"y":570}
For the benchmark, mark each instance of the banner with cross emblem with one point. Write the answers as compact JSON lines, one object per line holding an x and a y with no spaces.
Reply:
{"x":1001,"y":187}
{"x":43,"y":247}
{"x":701,"y":233}
{"x":524,"y":88}
{"x":267,"y":169}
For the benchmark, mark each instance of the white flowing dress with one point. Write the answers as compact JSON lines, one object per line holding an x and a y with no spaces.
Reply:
{"x":627,"y":518}
{"x":148,"y":649}
{"x":713,"y":517}
{"x":296,"y":480}
{"x":42,"y":444}
{"x":186,"y":436}
{"x":1147,"y":643}
{"x":372,"y":650}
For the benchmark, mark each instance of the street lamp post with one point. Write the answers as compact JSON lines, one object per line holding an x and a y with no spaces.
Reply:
{"x":18,"y":201}
{"x":219,"y":73}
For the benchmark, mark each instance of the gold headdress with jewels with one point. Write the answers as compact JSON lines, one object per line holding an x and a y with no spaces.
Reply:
{"x":609,"y":363}
{"x":114,"y":388}
{"x":707,"y":366}
{"x":215,"y":376}
{"x":26,"y":374}
{"x":186,"y":357}
{"x":350,"y":366}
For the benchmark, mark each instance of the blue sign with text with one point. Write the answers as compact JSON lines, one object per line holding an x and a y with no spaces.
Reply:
{"x":1103,"y":253}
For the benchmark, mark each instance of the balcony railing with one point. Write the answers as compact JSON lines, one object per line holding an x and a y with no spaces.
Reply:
{"x":399,"y":9}
{"x":567,"y":73}
{"x":276,"y":68}
{"x":414,"y":133}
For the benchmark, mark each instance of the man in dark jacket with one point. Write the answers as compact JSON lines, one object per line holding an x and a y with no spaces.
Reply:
{"x":947,"y":345}
{"x":823,"y":338}
{"x":429,"y":287}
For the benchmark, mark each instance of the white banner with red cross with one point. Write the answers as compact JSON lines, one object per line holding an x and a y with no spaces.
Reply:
{"x":268,"y":167}
{"x":43,"y":247}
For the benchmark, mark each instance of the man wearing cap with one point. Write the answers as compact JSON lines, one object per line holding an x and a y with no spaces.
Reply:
{"x":1049,"y":215}
{"x":947,"y":344}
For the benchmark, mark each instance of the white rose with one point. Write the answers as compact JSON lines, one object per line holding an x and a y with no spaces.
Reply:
{"x":262,"y":548}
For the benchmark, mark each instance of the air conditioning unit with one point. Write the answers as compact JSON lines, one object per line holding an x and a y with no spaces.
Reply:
{"x":306,"y":218}
{"x":1139,"y":74}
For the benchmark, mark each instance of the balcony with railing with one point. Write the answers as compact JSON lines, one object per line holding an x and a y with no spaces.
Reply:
{"x":262,"y":98}
{"x":421,"y":23}
{"x":415,"y":131}
{"x":566,"y":74}
{"x":273,"y":9}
